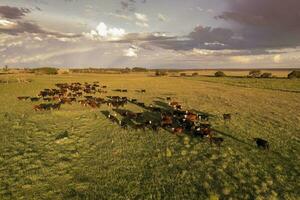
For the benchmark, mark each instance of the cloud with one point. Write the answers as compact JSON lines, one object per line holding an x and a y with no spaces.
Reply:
{"x":125,"y":17}
{"x":241,"y":59}
{"x":13,"y":12}
{"x":161,"y":17}
{"x":211,"y":35}
{"x":130,"y":5}
{"x":142,"y":24}
{"x":277,"y":58}
{"x":141,"y":17}
{"x":142,"y":20}
{"x":201,"y":38}
{"x":102,"y":32}
{"x":131,"y":52}
{"x":6,"y":24}
{"x":18,"y":27}
{"x":45,"y":56}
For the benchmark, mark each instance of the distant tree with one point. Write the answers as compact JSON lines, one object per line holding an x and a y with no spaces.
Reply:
{"x":182,"y":74}
{"x":220,"y":74}
{"x":5,"y":68}
{"x":139,"y":69}
{"x":255,"y":73}
{"x":195,"y":74}
{"x":294,"y":74}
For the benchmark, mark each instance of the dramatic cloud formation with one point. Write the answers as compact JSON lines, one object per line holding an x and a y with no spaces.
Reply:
{"x":13,"y":12}
{"x":191,"y":33}
{"x":265,"y":23}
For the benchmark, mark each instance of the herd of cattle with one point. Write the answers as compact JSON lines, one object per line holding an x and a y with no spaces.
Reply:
{"x":170,"y":116}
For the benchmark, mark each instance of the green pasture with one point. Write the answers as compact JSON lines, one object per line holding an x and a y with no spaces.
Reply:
{"x":100,"y":160}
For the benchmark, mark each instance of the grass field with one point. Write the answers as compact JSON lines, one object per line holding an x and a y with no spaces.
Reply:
{"x":99,"y":160}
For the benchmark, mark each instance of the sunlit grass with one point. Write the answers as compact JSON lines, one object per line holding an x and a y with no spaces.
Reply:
{"x":99,"y":160}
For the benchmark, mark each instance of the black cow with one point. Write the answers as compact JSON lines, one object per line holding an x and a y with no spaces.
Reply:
{"x":261,"y":143}
{"x":227,"y":117}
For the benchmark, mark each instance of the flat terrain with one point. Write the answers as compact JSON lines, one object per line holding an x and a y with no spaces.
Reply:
{"x":100,"y":160}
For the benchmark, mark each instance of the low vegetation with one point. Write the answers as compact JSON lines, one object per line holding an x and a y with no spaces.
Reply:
{"x":220,"y":74}
{"x":254,"y":73}
{"x":294,"y":74}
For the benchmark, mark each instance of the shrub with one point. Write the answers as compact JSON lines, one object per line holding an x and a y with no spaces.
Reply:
{"x":160,"y":73}
{"x":182,"y":74}
{"x":254,"y":73}
{"x":266,"y":75}
{"x":220,"y":74}
{"x":195,"y":74}
{"x":294,"y":74}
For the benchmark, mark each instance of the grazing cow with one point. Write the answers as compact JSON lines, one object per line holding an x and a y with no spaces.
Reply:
{"x":191,"y":117}
{"x":34,"y":99}
{"x":23,"y":98}
{"x":47,"y":99}
{"x":141,"y":104}
{"x":154,"y":127}
{"x":123,"y":124}
{"x":113,"y":118}
{"x":56,"y":106}
{"x":133,"y":100}
{"x":227,"y":117}
{"x":178,"y":107}
{"x":178,"y":113}
{"x":42,"y":106}
{"x":203,"y":130}
{"x":166,"y":121}
{"x":215,"y":140}
{"x":177,"y":130}
{"x":204,"y":117}
{"x":188,"y":125}
{"x":139,"y":126}
{"x":93,"y":104}
{"x":261,"y":143}
{"x":88,"y":97}
{"x":174,"y":104}
{"x":198,"y":132}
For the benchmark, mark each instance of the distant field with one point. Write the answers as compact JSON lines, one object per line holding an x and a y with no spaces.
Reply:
{"x":99,"y":160}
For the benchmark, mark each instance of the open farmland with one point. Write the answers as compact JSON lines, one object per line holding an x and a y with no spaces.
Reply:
{"x":100,"y":160}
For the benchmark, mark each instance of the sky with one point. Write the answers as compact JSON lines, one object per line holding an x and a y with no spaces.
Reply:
{"x":150,"y":33}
